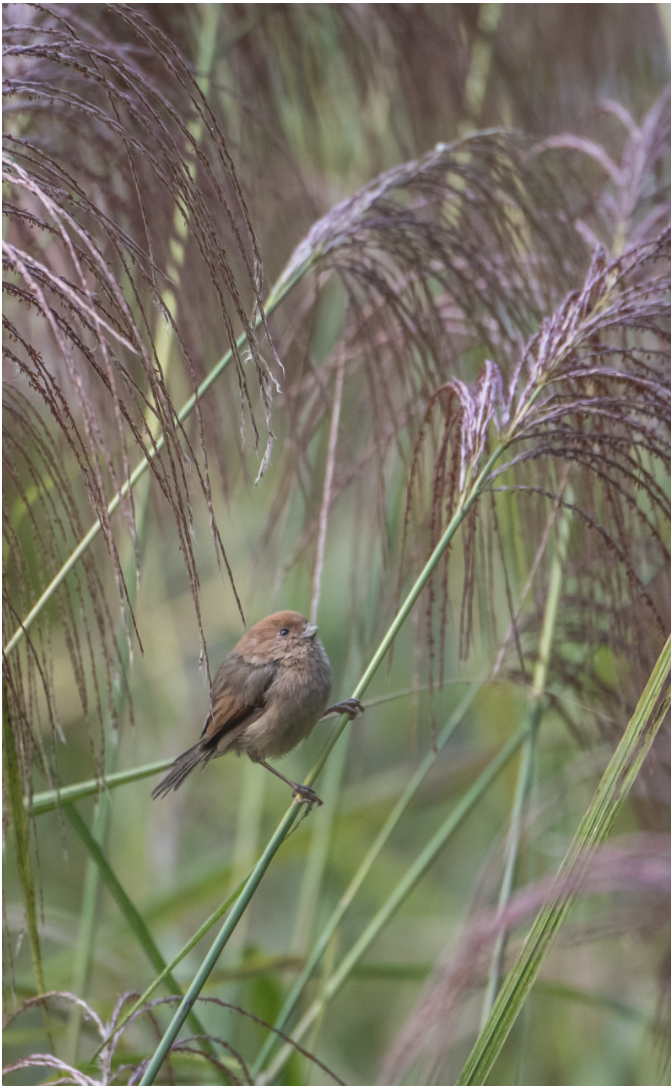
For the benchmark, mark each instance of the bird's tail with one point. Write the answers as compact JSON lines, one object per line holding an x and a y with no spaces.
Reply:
{"x":180,"y":769}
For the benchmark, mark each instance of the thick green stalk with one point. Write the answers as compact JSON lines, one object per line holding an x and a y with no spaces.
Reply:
{"x":594,"y":829}
{"x":374,"y":851}
{"x":404,"y":888}
{"x":43,"y":802}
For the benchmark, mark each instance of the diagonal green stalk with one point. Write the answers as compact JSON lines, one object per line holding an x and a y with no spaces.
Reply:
{"x":132,"y":916}
{"x":366,"y":864}
{"x":403,"y":889}
{"x":594,"y":829}
{"x":526,"y":771}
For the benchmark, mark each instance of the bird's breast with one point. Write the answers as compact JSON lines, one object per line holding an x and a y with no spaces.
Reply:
{"x":296,"y":699}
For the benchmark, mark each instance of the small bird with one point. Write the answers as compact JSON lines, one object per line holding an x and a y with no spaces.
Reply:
{"x":267,"y":695}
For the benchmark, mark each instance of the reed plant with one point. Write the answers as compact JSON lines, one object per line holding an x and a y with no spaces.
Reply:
{"x":443,"y":432}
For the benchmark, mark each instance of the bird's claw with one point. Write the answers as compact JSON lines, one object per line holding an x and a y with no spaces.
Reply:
{"x":306,"y":795}
{"x":352,"y":706}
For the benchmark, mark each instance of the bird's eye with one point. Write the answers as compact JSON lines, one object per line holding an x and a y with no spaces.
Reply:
{"x":284,"y":632}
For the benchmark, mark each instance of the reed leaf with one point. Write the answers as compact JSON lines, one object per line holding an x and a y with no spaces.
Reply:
{"x":130,"y":913}
{"x":593,"y":830}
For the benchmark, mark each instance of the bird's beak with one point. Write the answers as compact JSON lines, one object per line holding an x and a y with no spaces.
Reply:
{"x":310,"y":631}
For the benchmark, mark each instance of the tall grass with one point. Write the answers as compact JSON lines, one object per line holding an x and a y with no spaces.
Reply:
{"x":455,"y":401}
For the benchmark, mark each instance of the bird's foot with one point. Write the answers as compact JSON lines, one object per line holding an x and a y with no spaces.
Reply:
{"x":306,"y":795}
{"x":352,"y":706}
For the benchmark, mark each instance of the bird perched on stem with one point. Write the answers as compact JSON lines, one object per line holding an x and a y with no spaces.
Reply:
{"x":267,"y":695}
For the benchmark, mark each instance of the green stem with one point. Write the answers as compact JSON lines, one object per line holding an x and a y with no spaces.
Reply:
{"x":43,"y":802}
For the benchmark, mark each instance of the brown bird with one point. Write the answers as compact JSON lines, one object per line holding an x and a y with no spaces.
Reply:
{"x":267,"y":695}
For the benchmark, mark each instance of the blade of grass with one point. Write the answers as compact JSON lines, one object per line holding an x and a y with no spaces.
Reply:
{"x":594,"y":829}
{"x":403,"y":889}
{"x":132,"y":916}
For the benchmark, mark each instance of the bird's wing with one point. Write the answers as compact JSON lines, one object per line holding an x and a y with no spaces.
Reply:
{"x":238,"y":698}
